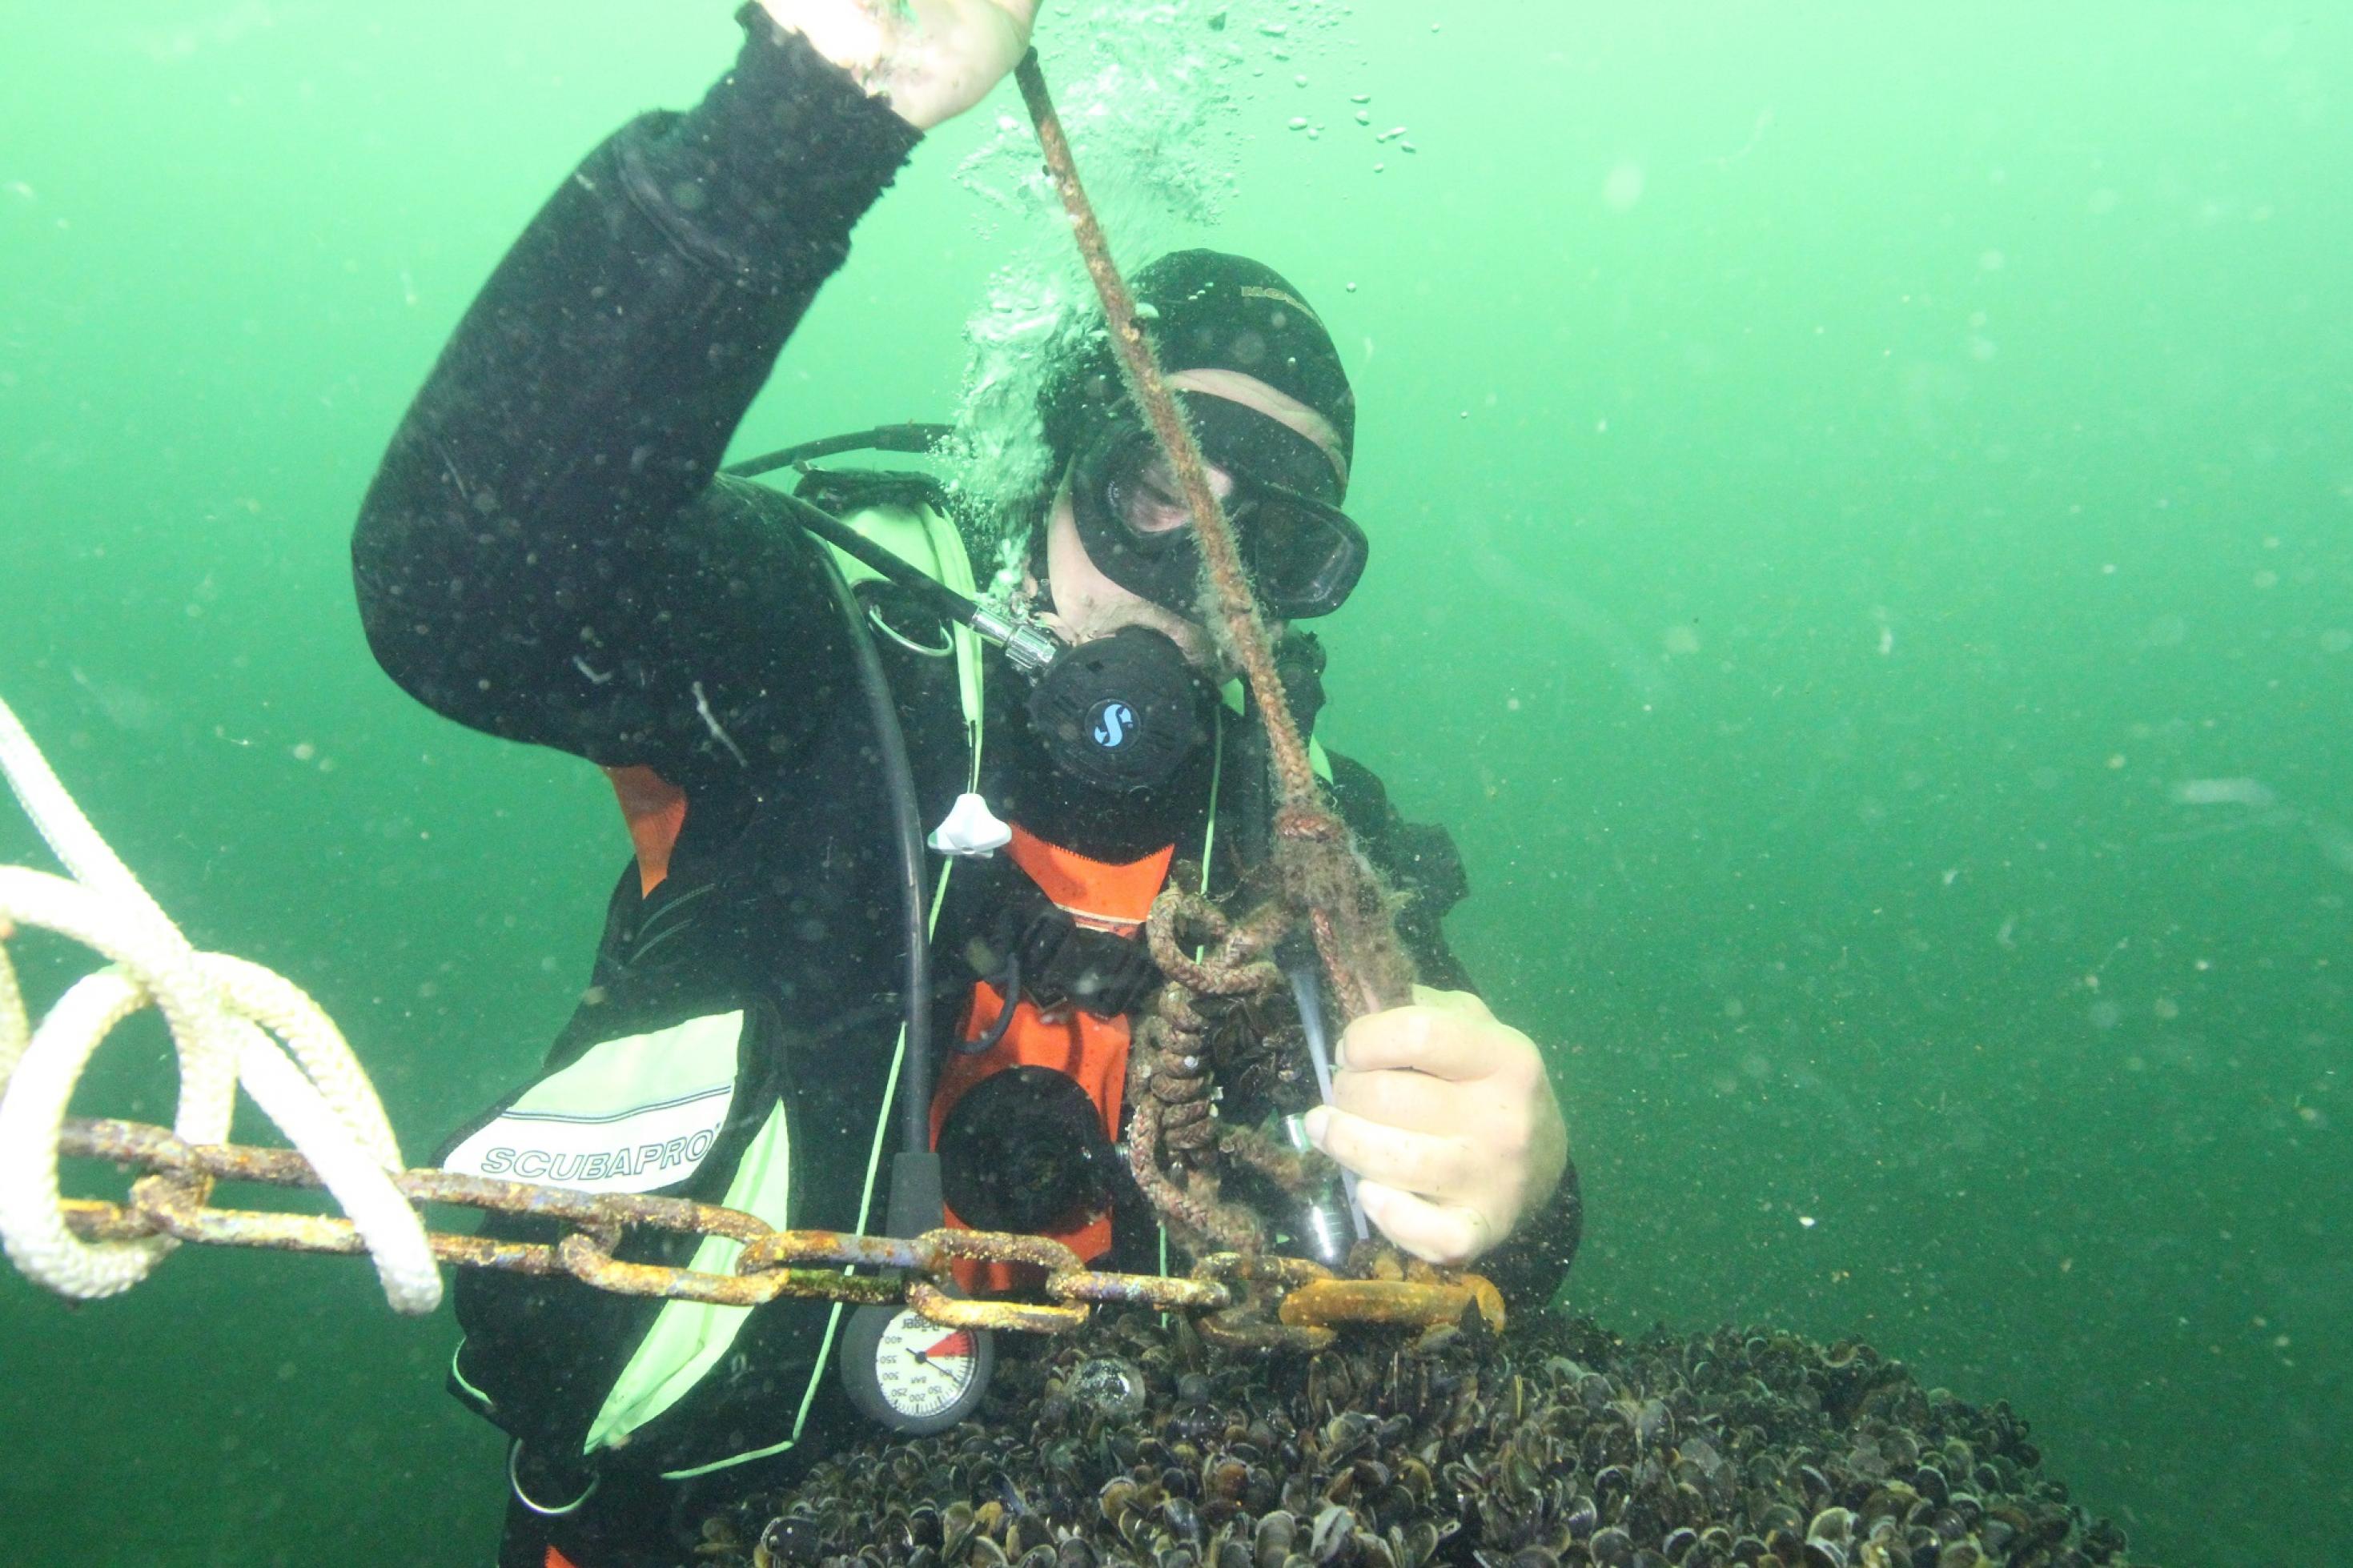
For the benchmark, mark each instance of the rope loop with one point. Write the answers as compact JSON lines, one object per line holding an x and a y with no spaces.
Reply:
{"x":1234,"y":969}
{"x":233,"y":1024}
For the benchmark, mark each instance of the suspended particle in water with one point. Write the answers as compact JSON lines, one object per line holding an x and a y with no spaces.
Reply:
{"x":1299,"y":80}
{"x":1299,"y":123}
{"x":1361,"y":97}
{"x":2252,"y":793}
{"x":1622,"y":187}
{"x":1363,"y":117}
{"x":1352,"y":288}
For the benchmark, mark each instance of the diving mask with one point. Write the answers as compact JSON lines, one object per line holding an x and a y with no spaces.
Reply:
{"x":1280,"y":490}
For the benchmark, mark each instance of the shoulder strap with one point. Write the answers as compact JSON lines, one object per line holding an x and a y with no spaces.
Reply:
{"x":906,"y":514}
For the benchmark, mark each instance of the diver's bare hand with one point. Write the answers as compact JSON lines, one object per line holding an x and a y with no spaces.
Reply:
{"x":1447,"y":1118}
{"x":929,"y":59}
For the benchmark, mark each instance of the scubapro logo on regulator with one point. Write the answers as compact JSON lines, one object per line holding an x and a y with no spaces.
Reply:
{"x":1114,"y":721}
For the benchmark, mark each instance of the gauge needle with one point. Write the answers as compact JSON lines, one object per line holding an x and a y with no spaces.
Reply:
{"x":955,"y":1344}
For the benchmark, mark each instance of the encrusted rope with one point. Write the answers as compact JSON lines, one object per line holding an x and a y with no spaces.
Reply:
{"x":232,"y":1023}
{"x":1321,"y":873}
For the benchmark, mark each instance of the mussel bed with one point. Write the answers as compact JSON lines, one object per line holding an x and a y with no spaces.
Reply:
{"x":1555,"y":1445}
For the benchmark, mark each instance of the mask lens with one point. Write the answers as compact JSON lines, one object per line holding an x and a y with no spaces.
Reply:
{"x":1305,"y":557}
{"x":1143,"y":494}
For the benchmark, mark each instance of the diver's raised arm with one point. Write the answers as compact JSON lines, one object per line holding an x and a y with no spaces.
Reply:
{"x":545,"y":553}
{"x":929,"y":59}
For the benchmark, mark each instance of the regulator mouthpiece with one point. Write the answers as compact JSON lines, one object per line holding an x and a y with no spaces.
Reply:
{"x":1122,"y":711}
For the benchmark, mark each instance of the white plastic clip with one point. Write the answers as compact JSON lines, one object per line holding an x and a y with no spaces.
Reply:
{"x":970,"y":828}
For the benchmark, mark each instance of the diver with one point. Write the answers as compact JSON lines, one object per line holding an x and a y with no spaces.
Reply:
{"x":552,"y":554}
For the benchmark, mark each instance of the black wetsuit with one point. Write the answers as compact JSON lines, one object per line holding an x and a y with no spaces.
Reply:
{"x":549,"y":554}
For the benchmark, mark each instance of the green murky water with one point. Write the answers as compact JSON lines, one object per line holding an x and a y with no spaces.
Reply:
{"x":1863,"y":515}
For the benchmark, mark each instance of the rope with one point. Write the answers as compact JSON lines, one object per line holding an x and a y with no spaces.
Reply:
{"x":232,"y":1023}
{"x":1349,"y":914}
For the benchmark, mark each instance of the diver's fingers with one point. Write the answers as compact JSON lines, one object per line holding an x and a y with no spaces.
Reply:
{"x":1399,"y":1157}
{"x":1444,"y":1234}
{"x":1447,"y":1034}
{"x":1414,"y":1101}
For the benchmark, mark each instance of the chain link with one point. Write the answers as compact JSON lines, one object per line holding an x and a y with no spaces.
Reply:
{"x":1249,"y":1304}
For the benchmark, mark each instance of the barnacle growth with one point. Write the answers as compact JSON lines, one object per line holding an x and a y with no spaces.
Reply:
{"x":1557,"y":1445}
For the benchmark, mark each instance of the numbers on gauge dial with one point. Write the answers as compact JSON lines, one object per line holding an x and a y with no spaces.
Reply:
{"x":923,"y":1368}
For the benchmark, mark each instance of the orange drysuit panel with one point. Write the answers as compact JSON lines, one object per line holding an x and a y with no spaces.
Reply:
{"x":1089,"y":1050}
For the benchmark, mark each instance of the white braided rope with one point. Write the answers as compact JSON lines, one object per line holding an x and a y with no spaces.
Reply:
{"x":231,"y":1022}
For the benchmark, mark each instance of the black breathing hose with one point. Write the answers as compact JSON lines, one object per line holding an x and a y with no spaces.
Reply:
{"x":849,"y":541}
{"x":1010,"y":984}
{"x":909,"y":437}
{"x":907,"y":829}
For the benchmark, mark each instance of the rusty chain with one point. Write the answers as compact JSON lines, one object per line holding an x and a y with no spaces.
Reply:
{"x":1252,"y":1303}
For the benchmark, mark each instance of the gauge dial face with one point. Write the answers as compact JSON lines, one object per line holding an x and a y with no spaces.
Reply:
{"x":924,"y":1369}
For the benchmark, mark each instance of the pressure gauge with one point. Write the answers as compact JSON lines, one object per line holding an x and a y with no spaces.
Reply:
{"x":910,"y":1374}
